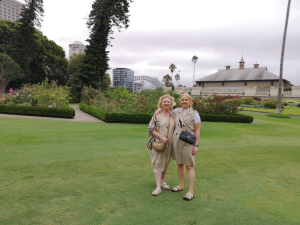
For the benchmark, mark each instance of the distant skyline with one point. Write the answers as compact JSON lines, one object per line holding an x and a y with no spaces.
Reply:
{"x":165,"y":32}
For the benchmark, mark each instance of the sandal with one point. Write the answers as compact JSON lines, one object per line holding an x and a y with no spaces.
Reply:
{"x":188,"y":197}
{"x":156,"y":192}
{"x":165,"y":186}
{"x":176,"y":189}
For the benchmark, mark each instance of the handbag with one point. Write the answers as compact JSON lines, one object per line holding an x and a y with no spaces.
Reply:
{"x":187,"y":136}
{"x":160,"y":146}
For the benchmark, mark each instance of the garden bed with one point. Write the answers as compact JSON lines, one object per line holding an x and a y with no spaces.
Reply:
{"x":145,"y":118}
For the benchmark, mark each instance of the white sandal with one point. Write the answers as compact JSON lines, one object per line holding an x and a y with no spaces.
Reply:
{"x":176,"y":189}
{"x":188,"y":197}
{"x":156,"y":192}
{"x":165,"y":186}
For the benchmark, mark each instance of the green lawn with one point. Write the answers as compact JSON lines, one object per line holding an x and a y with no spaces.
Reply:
{"x":288,"y":110}
{"x":57,"y":172}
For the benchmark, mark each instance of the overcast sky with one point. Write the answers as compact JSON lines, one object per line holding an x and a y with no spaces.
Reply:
{"x":162,"y":32}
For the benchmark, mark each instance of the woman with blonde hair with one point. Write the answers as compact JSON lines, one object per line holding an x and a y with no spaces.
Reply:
{"x":183,"y":152}
{"x":161,"y":128}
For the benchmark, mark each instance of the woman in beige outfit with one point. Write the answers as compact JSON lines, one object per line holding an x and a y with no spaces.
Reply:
{"x":183,"y":152}
{"x":160,"y":159}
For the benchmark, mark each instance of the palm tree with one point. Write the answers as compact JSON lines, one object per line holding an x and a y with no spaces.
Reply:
{"x":167,"y":80}
{"x":172,"y":68}
{"x":177,"y":77}
{"x":279,"y":106}
{"x":194,"y":60}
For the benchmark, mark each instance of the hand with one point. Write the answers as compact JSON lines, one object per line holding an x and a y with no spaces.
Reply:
{"x":164,"y":139}
{"x":195,"y":149}
{"x":158,"y":111}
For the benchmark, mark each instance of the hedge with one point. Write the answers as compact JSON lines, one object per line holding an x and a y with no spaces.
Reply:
{"x":115,"y":117}
{"x":145,"y":118}
{"x":239,"y":118}
{"x":38,"y":111}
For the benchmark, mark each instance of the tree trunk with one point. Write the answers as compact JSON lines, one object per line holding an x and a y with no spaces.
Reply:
{"x":279,"y":104}
{"x":194,"y":75}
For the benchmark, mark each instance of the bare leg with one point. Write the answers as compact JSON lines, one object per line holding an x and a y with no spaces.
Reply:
{"x":158,"y":180}
{"x":181,"y":171}
{"x":163,"y":177}
{"x":191,"y":178}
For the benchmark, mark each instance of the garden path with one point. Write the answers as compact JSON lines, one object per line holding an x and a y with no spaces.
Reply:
{"x":265,"y":113}
{"x":79,"y":117}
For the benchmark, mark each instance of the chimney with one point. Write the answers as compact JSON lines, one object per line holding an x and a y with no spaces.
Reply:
{"x":242,"y":63}
{"x":227,"y":67}
{"x":256,"y":65}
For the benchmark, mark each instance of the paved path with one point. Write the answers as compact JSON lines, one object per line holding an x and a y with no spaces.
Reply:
{"x":79,"y":117}
{"x":266,"y":113}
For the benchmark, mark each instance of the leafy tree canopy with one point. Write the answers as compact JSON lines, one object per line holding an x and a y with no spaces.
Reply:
{"x":9,"y":70}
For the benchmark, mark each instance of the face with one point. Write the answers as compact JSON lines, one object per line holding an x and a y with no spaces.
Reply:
{"x":166,"y":103}
{"x":185,"y":102}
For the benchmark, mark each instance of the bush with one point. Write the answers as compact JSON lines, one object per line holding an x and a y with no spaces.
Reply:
{"x":38,"y":111}
{"x":215,"y":106}
{"x":278,"y":115}
{"x":223,"y":98}
{"x":270,"y":104}
{"x":298,"y":105}
{"x":249,"y":101}
{"x":235,"y":101}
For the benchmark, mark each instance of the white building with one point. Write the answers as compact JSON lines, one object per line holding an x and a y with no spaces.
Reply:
{"x":10,"y":9}
{"x":76,"y":48}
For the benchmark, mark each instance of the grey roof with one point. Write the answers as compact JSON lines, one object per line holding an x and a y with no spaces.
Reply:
{"x":260,"y":73}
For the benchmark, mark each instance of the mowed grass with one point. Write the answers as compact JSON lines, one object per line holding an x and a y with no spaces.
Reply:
{"x":288,"y":110}
{"x":56,"y":172}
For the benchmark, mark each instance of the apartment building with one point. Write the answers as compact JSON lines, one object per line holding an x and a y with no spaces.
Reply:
{"x":10,"y":9}
{"x":76,"y":48}
{"x":123,"y":77}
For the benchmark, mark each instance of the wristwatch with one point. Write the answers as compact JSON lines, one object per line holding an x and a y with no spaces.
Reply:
{"x":196,"y":145}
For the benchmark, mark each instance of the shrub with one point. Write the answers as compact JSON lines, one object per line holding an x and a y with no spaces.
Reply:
{"x":223,"y":98}
{"x":270,"y":104}
{"x":298,"y":105}
{"x":249,"y":101}
{"x":235,"y":101}
{"x":38,"y":111}
{"x":215,"y":106}
{"x":278,"y":115}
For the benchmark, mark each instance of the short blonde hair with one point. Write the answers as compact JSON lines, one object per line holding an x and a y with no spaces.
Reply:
{"x":166,"y":96}
{"x":189,"y":97}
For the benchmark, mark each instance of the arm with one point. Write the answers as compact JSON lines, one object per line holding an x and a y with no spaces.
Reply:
{"x":197,"y":127}
{"x":151,"y":129}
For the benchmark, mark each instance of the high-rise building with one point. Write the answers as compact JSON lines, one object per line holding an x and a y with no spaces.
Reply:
{"x":123,"y":77}
{"x":76,"y":48}
{"x":10,"y":9}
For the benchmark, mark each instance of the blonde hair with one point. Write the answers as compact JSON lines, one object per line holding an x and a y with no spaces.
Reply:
{"x":189,"y":97}
{"x":166,"y":96}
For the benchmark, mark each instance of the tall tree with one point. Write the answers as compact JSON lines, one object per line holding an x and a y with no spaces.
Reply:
{"x":194,"y":60}
{"x":172,"y":68}
{"x":177,"y":77}
{"x":279,"y":103}
{"x":167,"y":80}
{"x":106,"y":15}
{"x":9,"y":70}
{"x":23,"y":45}
{"x":49,"y":61}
